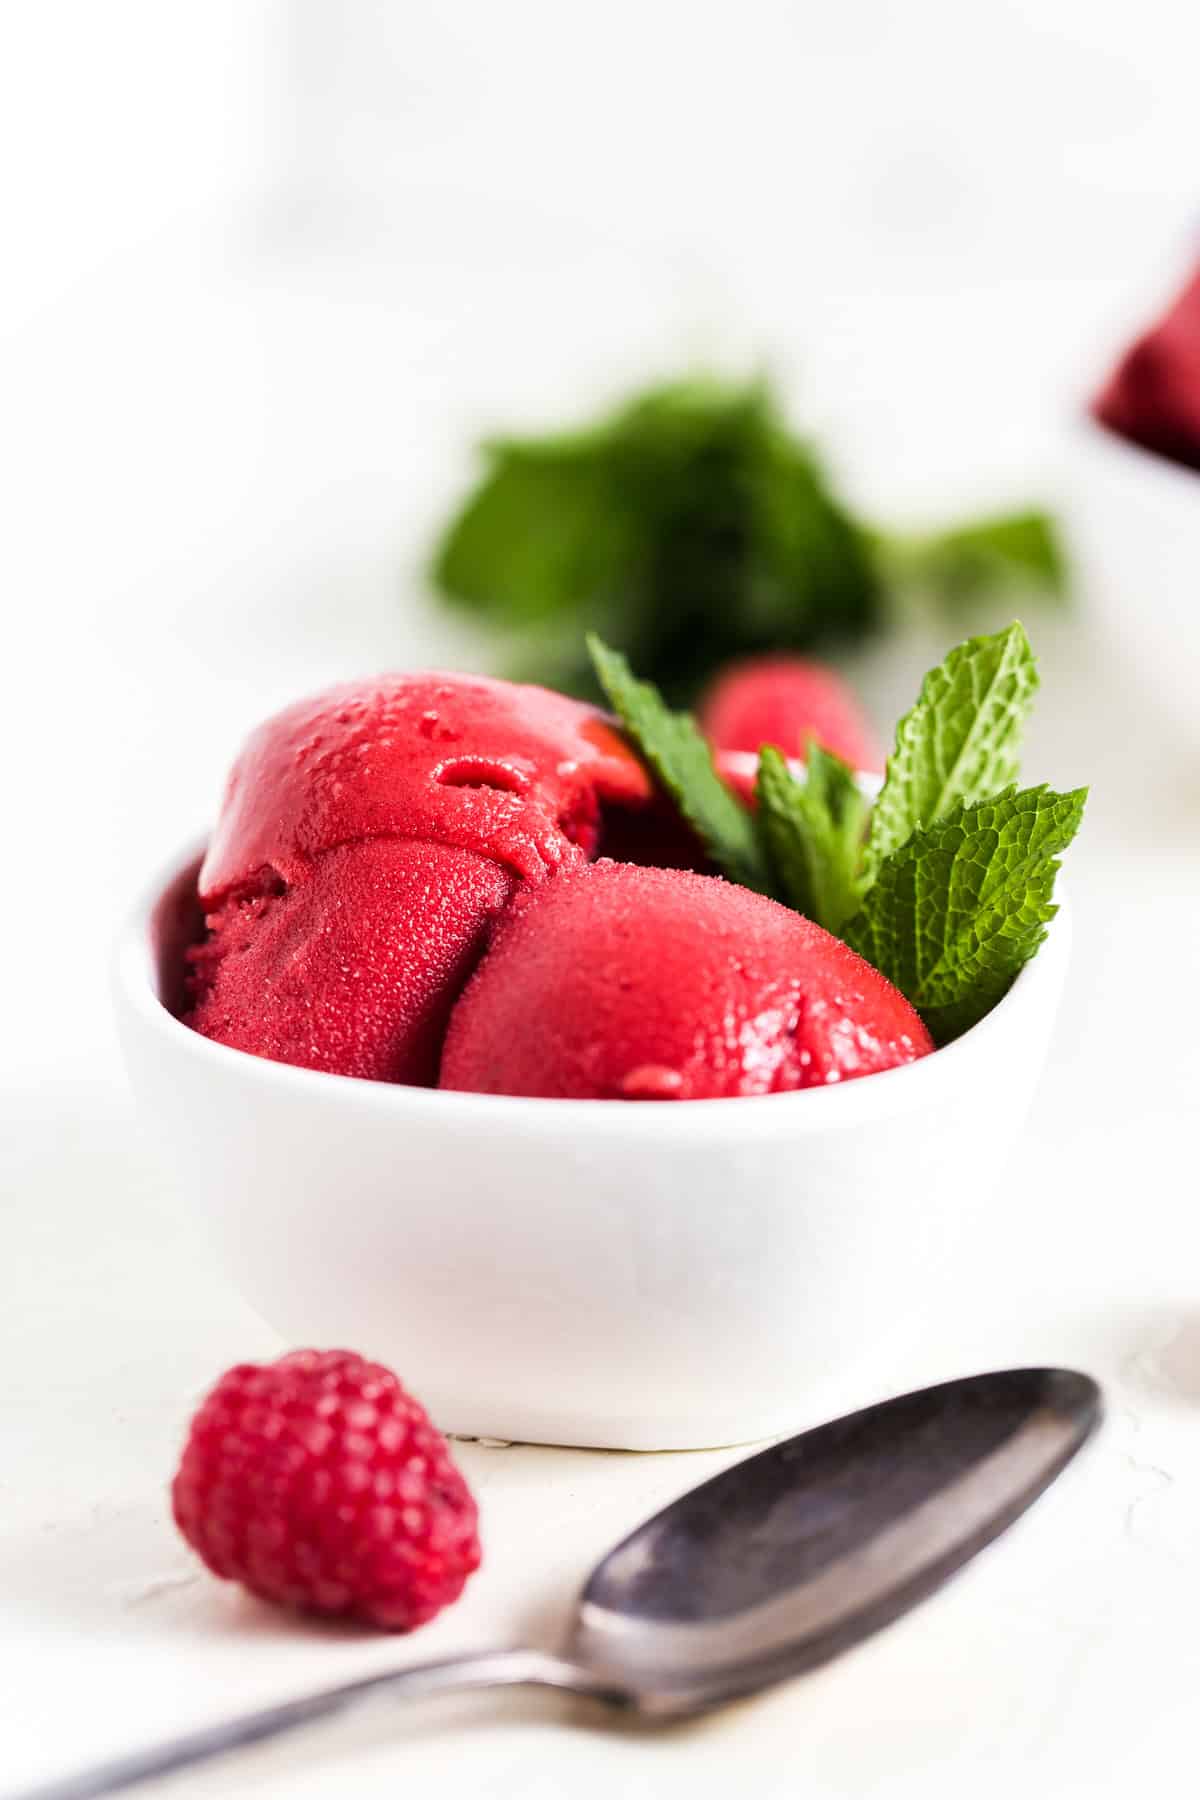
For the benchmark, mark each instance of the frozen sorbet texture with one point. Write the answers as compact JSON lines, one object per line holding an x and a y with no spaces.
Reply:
{"x":369,"y":838}
{"x":354,"y":969}
{"x":614,"y":982}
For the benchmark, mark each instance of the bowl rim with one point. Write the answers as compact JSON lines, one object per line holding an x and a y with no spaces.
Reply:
{"x":935,"y":1078}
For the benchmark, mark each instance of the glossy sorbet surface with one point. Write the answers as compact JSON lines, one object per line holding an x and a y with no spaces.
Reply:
{"x":513,"y":773}
{"x":399,"y":888}
{"x":623,"y":983}
{"x":368,"y":839}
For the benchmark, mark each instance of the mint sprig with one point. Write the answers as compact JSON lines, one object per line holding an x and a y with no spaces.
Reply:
{"x":952,"y":892}
{"x":956,"y":912}
{"x":812,"y":831}
{"x":960,"y":742}
{"x":542,"y":524}
{"x":677,"y":753}
{"x":691,"y":524}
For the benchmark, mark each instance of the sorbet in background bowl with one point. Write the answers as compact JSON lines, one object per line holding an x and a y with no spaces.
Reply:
{"x":1152,"y":397}
{"x":1134,"y":509}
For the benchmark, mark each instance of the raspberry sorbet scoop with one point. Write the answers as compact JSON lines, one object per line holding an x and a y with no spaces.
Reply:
{"x":369,"y":836}
{"x":318,"y":1483}
{"x":613,"y":982}
{"x":785,"y":700}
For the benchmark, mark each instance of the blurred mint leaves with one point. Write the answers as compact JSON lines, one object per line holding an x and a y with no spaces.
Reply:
{"x":946,"y":884}
{"x":690,"y":526}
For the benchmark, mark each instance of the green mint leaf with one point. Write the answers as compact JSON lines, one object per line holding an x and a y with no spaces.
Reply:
{"x":812,"y":831}
{"x":960,"y":742}
{"x":837,"y":785}
{"x":674,"y":750}
{"x":689,"y":524}
{"x":810,"y":577}
{"x":1014,"y":553}
{"x":539,"y":530}
{"x":692,"y":524}
{"x":958,"y":910}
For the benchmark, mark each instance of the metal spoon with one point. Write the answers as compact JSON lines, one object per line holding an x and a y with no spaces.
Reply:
{"x":773,"y":1566}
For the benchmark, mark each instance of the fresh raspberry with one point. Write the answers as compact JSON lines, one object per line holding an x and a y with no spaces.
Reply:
{"x":318,"y":1482}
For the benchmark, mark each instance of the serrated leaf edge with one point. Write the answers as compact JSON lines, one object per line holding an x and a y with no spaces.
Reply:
{"x":1016,"y":649}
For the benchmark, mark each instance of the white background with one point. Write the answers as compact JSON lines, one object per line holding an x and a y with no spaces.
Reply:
{"x":269,"y":267}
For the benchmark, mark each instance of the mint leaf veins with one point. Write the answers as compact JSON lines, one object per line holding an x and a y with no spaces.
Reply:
{"x":955,"y":913}
{"x":960,"y":742}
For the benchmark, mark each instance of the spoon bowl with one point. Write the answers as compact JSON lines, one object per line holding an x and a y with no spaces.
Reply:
{"x":785,"y":1560}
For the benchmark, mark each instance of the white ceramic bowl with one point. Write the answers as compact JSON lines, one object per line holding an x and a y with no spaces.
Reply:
{"x":1134,"y":522}
{"x":585,"y":1272}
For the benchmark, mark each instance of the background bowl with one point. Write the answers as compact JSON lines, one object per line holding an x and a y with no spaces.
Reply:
{"x":1134,"y":521}
{"x":582,"y":1272}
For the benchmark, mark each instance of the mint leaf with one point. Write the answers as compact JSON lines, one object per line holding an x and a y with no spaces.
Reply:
{"x":673,"y":749}
{"x":689,"y":524}
{"x":539,"y":528}
{"x":812,"y":831}
{"x":1017,"y":553}
{"x":837,"y":785}
{"x":1011,"y":553}
{"x":960,"y":742}
{"x":963,"y":905}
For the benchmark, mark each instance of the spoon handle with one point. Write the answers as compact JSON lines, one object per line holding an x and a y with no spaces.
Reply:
{"x":454,"y":1674}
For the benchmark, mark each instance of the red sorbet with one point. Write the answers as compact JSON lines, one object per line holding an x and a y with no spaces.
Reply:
{"x":1153,"y":395}
{"x":785,"y":700}
{"x":368,"y":839}
{"x":619,"y":983}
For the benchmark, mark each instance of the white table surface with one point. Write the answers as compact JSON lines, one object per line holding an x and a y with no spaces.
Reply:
{"x":235,"y":422}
